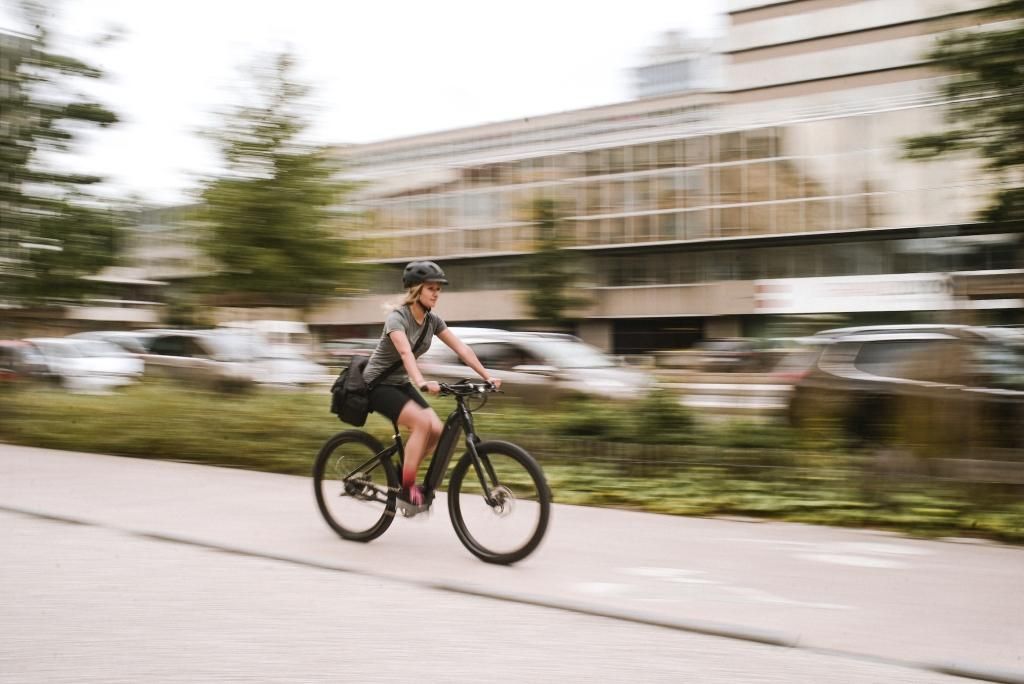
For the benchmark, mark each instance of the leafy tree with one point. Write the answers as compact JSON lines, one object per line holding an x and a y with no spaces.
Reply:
{"x":985,"y":113}
{"x":52,"y":232}
{"x":272,"y":229}
{"x":550,"y":271}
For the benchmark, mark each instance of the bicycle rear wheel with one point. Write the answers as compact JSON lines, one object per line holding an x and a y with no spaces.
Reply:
{"x":509,"y":526}
{"x":355,"y":490}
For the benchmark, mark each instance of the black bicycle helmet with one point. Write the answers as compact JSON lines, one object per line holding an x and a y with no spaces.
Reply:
{"x":422,"y":272}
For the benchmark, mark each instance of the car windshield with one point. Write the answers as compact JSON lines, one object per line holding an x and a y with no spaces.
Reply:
{"x":56,"y":349}
{"x":99,"y":348}
{"x":128,"y":343}
{"x":568,"y":354}
{"x":999,"y":365}
{"x":228,"y":347}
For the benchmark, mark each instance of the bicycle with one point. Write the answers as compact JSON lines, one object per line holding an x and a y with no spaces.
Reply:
{"x":495,"y":489}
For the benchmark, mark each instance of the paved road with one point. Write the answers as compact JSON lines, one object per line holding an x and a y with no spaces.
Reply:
{"x":89,"y":604}
{"x":881,"y":596}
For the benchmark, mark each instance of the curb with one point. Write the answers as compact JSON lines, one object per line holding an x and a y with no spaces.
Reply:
{"x":984,"y":674}
{"x":718,"y":629}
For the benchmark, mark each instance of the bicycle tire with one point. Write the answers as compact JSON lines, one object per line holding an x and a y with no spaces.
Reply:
{"x":515,"y":462}
{"x":337,"y":501}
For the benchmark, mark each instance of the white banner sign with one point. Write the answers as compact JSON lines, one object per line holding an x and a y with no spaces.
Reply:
{"x":897,"y":292}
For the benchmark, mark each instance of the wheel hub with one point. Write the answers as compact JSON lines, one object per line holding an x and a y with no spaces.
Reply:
{"x":502,"y":501}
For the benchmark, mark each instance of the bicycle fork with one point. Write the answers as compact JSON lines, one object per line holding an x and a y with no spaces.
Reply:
{"x":489,"y":481}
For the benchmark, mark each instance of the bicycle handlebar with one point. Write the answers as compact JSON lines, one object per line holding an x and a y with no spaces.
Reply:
{"x":464,"y":388}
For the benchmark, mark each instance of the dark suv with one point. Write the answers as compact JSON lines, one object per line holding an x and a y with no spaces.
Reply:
{"x":942,"y":390}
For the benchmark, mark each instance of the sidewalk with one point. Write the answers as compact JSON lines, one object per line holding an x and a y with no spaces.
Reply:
{"x":945,"y":606}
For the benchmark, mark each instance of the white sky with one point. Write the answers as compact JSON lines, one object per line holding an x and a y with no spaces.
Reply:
{"x":378,"y":69}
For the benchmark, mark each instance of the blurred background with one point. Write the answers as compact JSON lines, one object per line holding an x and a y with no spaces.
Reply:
{"x":800,"y":232}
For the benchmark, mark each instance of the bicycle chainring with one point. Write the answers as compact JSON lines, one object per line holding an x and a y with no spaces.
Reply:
{"x":360,"y":486}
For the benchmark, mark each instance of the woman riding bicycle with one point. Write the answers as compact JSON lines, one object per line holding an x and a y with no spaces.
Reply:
{"x":395,"y":396}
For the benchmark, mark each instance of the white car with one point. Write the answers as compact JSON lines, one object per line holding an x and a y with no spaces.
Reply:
{"x":538,"y":368}
{"x":87,"y":365}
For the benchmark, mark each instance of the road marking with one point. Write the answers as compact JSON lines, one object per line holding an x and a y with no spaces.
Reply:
{"x":604,"y":588}
{"x":766,"y":597}
{"x":855,"y":554}
{"x":856,"y":561}
{"x":722,"y":591}
{"x":875,"y":547}
{"x":670,"y":574}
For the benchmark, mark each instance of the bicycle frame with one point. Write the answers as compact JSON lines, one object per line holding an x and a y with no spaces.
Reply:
{"x":459,"y":420}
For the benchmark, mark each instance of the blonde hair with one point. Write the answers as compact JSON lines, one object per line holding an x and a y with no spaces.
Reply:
{"x":412,"y":295}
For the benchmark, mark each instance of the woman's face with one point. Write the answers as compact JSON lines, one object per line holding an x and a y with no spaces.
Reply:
{"x":429,"y":295}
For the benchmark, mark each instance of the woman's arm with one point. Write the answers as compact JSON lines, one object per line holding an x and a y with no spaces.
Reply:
{"x":404,"y":349}
{"x":467,"y":355}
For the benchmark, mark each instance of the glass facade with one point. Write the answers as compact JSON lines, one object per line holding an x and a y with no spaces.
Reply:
{"x":684,"y":265}
{"x":826,"y":175}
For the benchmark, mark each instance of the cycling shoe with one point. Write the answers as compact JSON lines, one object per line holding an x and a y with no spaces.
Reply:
{"x":412,"y":501}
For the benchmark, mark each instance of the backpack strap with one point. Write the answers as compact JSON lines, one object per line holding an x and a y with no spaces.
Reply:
{"x":397,"y":364}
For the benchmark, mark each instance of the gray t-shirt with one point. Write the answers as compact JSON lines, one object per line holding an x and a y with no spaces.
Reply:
{"x":385,"y":354}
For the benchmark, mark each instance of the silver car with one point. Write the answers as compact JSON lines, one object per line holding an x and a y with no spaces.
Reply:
{"x":538,"y":368}
{"x":86,"y":365}
{"x":202,"y":358}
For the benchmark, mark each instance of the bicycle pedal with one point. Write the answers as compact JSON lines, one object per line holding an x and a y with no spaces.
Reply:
{"x":409,"y":510}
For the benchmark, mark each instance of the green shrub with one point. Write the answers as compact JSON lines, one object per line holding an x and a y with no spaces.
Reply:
{"x":657,"y":419}
{"x":660,"y":419}
{"x":749,"y":435}
{"x":593,"y":419}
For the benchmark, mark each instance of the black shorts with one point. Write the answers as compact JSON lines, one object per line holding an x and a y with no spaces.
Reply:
{"x":389,"y":400}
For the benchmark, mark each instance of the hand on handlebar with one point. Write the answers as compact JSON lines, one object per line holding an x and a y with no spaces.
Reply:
{"x":432,"y":387}
{"x":494,"y":382}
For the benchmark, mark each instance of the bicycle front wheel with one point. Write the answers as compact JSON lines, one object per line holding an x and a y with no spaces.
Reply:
{"x":355,"y":489}
{"x":499,"y":505}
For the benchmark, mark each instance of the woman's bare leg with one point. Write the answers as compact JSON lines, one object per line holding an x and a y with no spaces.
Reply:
{"x":424,"y":431}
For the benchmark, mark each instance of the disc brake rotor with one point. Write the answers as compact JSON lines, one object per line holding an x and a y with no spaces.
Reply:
{"x":504,"y":501}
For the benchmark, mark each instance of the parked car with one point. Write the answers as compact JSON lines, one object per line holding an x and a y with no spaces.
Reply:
{"x":934,"y":389}
{"x":538,"y":368}
{"x":226,"y":359}
{"x":86,"y":365}
{"x":199,"y":358}
{"x":20,"y":361}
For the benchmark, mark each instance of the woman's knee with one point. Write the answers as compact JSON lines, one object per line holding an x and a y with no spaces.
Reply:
{"x":436,"y":427}
{"x":420,"y":419}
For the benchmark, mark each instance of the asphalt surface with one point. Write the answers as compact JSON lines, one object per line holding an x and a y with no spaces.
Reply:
{"x":89,"y":604}
{"x":141,"y":589}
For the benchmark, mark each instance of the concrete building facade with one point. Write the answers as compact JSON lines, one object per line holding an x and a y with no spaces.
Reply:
{"x":783,"y":200}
